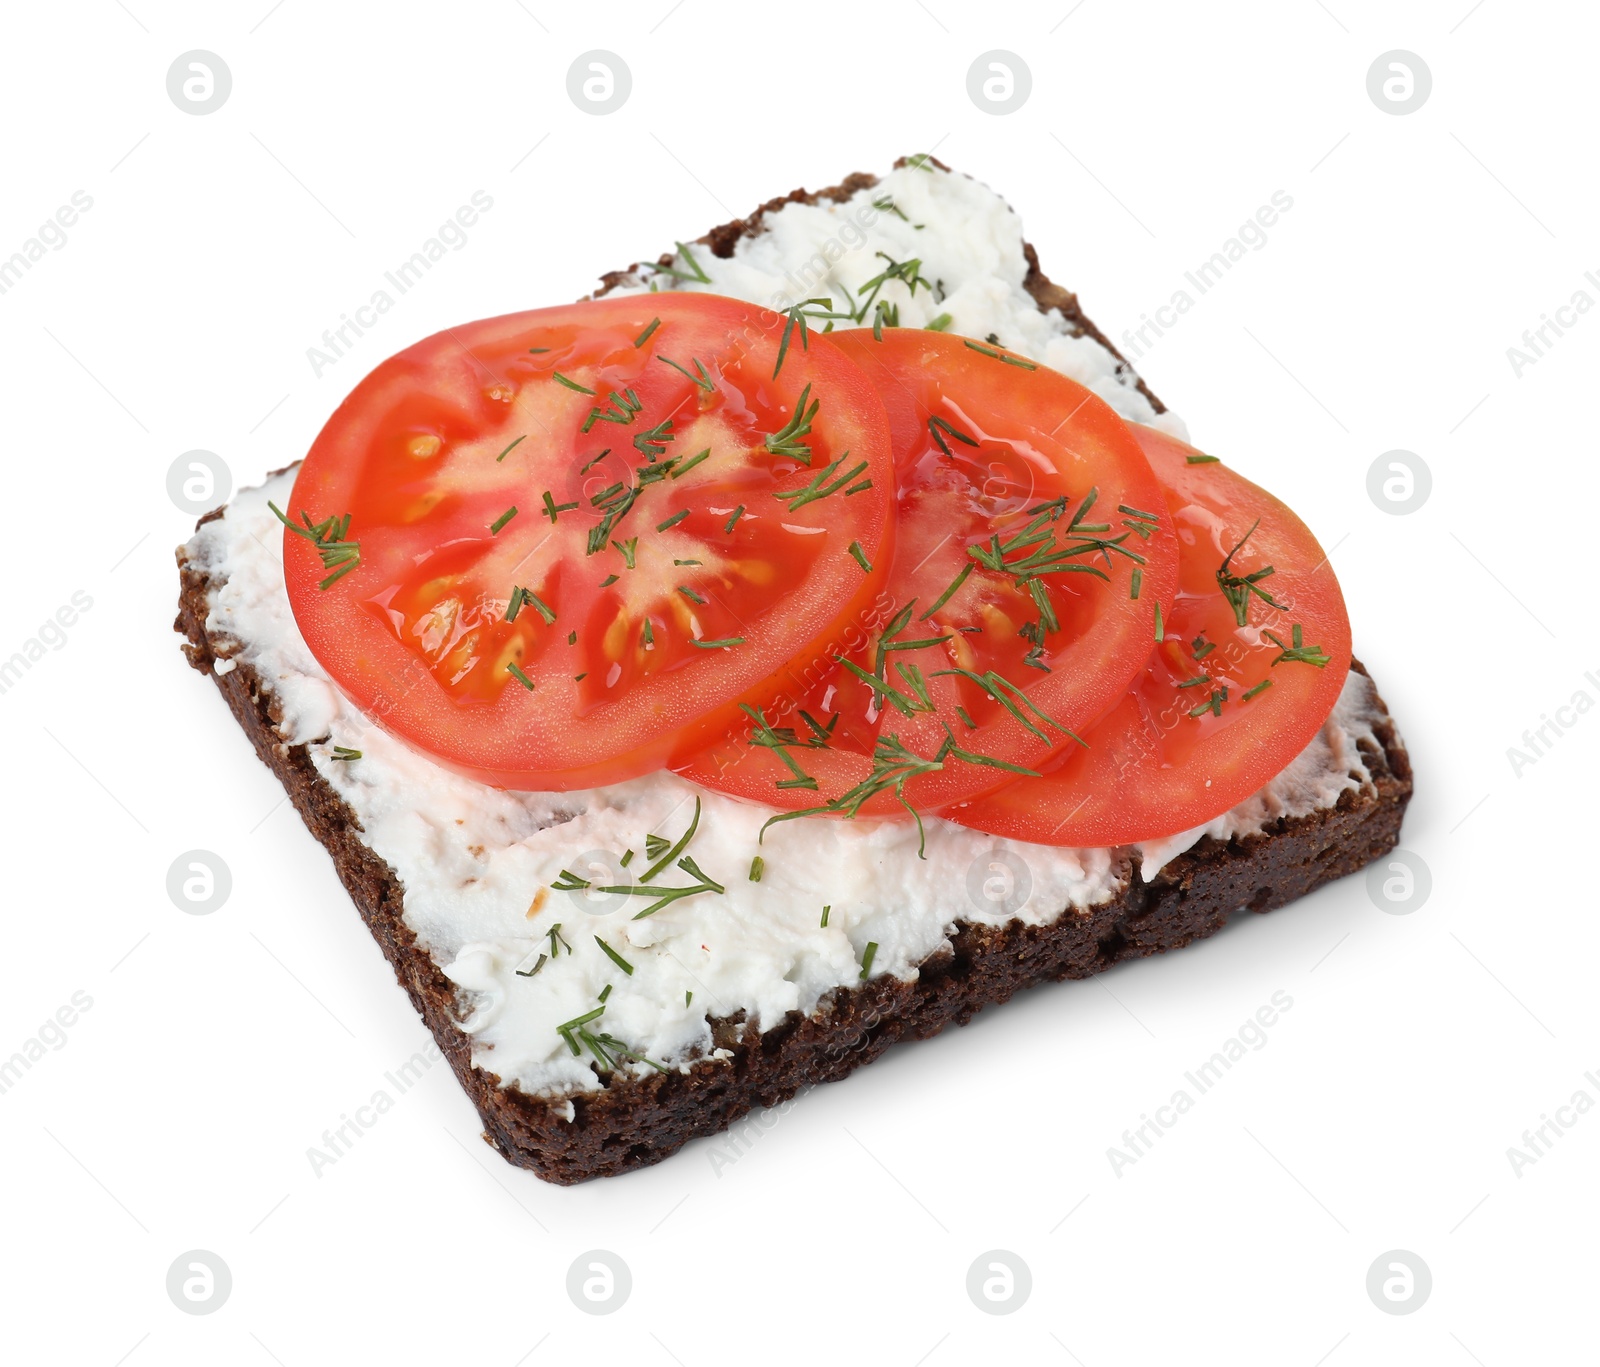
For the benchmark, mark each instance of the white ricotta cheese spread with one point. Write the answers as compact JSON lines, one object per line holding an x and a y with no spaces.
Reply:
{"x":477,"y":864}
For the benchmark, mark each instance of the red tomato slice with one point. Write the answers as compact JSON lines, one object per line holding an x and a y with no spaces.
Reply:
{"x":1032,"y":552}
{"x":558,"y":548}
{"x":1254,"y":656}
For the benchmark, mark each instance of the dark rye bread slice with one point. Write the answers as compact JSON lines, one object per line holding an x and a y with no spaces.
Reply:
{"x":632,"y":1121}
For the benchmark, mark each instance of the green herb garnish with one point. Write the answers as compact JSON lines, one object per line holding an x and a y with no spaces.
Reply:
{"x":1000,"y":355}
{"x":559,"y":378}
{"x":786,"y":441}
{"x":330,"y":537}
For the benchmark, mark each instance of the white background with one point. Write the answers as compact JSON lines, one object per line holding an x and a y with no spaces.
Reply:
{"x":218,"y":1048}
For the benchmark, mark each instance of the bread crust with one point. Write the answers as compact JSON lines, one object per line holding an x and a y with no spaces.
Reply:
{"x":635,"y":1121}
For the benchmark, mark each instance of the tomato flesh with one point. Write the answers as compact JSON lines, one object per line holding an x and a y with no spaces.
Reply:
{"x":1223,"y":705}
{"x":1027,"y":519}
{"x":583,"y":533}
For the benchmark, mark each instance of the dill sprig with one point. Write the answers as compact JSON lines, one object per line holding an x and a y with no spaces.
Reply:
{"x":983,"y":350}
{"x":908,"y":273}
{"x":665,"y":897}
{"x":618,"y":408}
{"x":786,"y":440}
{"x":780,"y":739}
{"x":615,"y":958}
{"x":1299,"y":652}
{"x":519,"y":596}
{"x":938,"y":427}
{"x":797,"y":317}
{"x":552,"y":509}
{"x":823,"y":483}
{"x":331,"y":539}
{"x":700,"y":379}
{"x":893,"y":766}
{"x":694,"y":273}
{"x":682,"y":467}
{"x":653,"y":443}
{"x":1008,"y":695}
{"x":1238,"y":588}
{"x":606,"y":1048}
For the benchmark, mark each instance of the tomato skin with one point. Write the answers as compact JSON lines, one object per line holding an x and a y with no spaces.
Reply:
{"x":1150,"y":768}
{"x":1014,"y":438}
{"x":421,"y":456}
